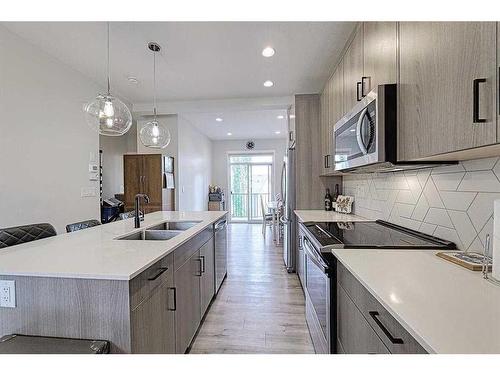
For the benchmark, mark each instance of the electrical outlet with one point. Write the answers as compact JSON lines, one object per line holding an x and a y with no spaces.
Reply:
{"x":7,"y":293}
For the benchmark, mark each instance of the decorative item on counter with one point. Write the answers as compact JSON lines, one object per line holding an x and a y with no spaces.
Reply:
{"x":469,"y":260}
{"x":215,"y":194}
{"x":328,"y":200}
{"x":344,"y":204}
{"x":336,"y":194}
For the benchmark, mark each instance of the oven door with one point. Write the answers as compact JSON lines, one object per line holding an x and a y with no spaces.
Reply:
{"x":356,"y":137}
{"x":317,"y":286}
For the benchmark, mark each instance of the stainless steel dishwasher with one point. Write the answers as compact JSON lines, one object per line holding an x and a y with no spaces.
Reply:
{"x":220,"y":229}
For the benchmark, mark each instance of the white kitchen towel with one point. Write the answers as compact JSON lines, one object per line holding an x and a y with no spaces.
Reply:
{"x":496,"y":240}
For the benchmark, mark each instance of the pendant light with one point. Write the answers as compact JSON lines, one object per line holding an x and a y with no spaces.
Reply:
{"x":153,"y":134}
{"x":107,"y":114}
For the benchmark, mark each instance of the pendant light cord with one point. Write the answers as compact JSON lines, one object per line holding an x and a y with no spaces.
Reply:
{"x":154,"y":83}
{"x":107,"y":59}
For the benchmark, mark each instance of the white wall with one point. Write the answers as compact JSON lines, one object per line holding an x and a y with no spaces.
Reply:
{"x":220,"y":150}
{"x":45,"y":143}
{"x":195,"y":167}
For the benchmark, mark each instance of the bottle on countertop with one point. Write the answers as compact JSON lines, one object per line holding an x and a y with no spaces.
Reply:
{"x":328,"y":200}
{"x":335,"y":196}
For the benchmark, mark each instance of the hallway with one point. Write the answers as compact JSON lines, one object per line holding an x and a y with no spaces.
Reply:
{"x":260,"y":307}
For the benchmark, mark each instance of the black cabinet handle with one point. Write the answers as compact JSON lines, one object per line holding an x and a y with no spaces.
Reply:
{"x":160,"y":271}
{"x":202,"y":263}
{"x":363,"y":86}
{"x":324,"y":162}
{"x":392,"y":339}
{"x":201,"y":266}
{"x":327,"y":157}
{"x":358,"y":87}
{"x":475,"y":100}
{"x":175,"y":300}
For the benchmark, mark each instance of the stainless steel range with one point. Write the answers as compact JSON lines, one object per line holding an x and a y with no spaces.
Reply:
{"x":318,"y":240}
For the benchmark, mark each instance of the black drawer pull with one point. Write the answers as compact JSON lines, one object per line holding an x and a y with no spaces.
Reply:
{"x":392,"y":339}
{"x":358,"y":88}
{"x":475,"y":100}
{"x":175,"y":300}
{"x":160,"y":271}
{"x":363,"y":86}
{"x":202,"y":264}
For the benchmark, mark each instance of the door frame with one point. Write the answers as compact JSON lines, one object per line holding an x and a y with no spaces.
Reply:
{"x":228,"y":177}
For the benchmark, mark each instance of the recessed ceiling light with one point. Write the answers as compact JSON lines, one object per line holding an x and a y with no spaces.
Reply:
{"x":268,"y":52}
{"x":133,"y":80}
{"x":269,"y":83}
{"x":229,"y":133}
{"x":280,"y":117}
{"x":277,"y":132}
{"x":218,"y":119}
{"x":292,"y":116}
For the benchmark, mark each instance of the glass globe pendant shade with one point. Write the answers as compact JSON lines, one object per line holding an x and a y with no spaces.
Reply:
{"x":108,"y":115}
{"x":154,"y":135}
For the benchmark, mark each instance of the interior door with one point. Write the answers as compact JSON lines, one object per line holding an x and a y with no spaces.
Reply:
{"x":153,"y":181}
{"x":133,"y":176}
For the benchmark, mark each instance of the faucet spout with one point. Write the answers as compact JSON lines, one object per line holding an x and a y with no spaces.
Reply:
{"x":137,"y":216}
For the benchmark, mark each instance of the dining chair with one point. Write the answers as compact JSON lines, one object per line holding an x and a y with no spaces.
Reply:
{"x":267,"y":218}
{"x":25,"y":233}
{"x":82,"y":225}
{"x":129,"y":215}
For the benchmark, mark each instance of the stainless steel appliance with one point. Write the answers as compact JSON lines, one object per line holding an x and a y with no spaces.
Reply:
{"x":318,"y":240}
{"x":288,"y":195}
{"x":220,"y":235}
{"x":365,"y":139}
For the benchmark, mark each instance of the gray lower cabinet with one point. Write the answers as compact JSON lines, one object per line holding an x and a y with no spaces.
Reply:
{"x":353,"y":332}
{"x":188,"y":313}
{"x":207,"y":279}
{"x":364,"y":325}
{"x":153,"y":322}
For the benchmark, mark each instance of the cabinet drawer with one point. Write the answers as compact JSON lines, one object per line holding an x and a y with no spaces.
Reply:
{"x":143,"y":284}
{"x":184,"y":252}
{"x":354,"y":334}
{"x":393,"y":335}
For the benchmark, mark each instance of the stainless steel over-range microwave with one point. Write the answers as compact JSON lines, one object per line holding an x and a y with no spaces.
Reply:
{"x":366,"y":139}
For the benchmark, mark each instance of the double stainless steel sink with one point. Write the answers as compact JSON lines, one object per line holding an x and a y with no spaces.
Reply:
{"x":161,"y":232}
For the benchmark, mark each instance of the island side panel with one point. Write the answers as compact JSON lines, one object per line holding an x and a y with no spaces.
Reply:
{"x":76,"y":308}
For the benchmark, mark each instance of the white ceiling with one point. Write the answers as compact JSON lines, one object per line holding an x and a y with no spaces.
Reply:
{"x":199,"y":60}
{"x":242,"y":124}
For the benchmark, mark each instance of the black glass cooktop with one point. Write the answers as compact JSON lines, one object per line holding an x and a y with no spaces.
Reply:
{"x":373,"y":234}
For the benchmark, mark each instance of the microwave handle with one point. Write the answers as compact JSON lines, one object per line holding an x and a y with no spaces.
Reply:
{"x":358,"y":131}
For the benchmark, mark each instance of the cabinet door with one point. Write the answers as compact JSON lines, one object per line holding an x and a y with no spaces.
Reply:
{"x":324,"y":101}
{"x":439,"y":62}
{"x":153,"y":179}
{"x":188,"y":312}
{"x":207,"y":280}
{"x":133,"y":177}
{"x":152,"y":322}
{"x":353,"y":71}
{"x":353,"y":332}
{"x":336,"y":108}
{"x":379,"y":54}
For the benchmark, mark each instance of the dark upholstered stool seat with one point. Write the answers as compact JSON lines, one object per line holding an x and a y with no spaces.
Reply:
{"x":82,"y":225}
{"x":25,"y":233}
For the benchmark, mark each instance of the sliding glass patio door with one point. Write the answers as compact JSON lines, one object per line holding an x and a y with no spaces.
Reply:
{"x":250,"y":179}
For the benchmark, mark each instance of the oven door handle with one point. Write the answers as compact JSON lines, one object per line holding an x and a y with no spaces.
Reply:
{"x":358,"y":131}
{"x":313,"y":255}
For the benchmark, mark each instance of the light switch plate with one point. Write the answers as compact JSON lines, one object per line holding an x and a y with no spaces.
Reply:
{"x":7,"y":293}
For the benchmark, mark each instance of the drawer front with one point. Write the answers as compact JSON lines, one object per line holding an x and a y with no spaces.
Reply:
{"x":353,"y":332}
{"x":143,"y":284}
{"x":394,"y":336}
{"x":184,"y":252}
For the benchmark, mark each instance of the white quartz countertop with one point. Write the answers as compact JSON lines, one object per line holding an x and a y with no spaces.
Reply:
{"x":322,"y":216}
{"x":95,"y":253}
{"x":447,"y":308}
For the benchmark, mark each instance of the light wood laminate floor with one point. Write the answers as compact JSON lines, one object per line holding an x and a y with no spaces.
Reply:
{"x":260,"y":307}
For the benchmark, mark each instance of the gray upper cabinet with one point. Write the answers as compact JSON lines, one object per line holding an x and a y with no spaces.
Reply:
{"x":446,"y":68}
{"x":379,"y":54}
{"x":353,"y":71}
{"x":207,"y":280}
{"x":188,"y":313}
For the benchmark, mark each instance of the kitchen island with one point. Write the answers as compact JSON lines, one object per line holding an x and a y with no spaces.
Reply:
{"x":144,"y":296}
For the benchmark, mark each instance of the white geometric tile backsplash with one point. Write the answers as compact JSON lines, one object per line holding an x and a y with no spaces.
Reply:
{"x":453,"y":202}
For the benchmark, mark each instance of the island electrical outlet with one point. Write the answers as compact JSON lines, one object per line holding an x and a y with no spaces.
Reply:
{"x":7,"y":293}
